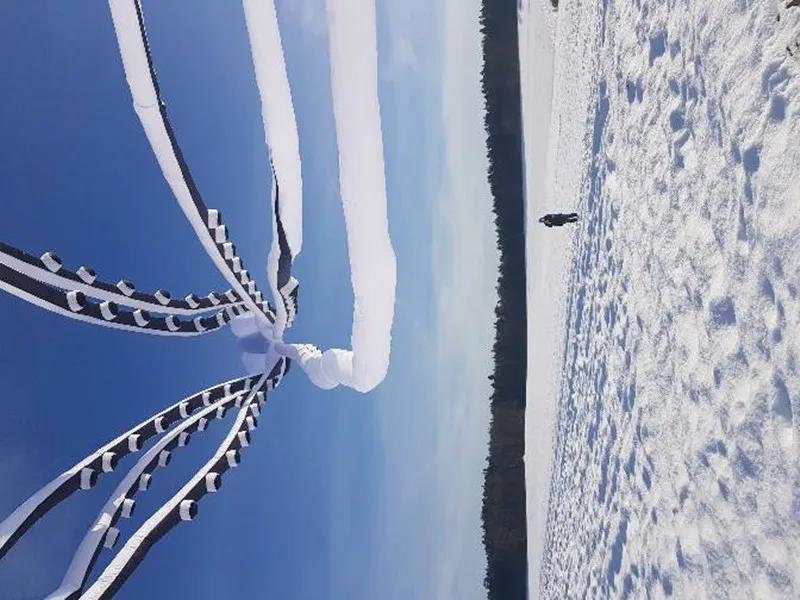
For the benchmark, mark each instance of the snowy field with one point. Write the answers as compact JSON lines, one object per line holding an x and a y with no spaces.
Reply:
{"x":667,"y":390}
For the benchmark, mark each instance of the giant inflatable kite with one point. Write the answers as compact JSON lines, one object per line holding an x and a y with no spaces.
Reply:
{"x":260,"y":326}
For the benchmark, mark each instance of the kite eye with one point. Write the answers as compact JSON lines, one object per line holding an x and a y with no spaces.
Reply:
{"x":188,"y":510}
{"x":109,"y":310}
{"x":128,"y":506}
{"x":221,"y":234}
{"x":109,"y":462}
{"x":192,"y":300}
{"x":144,"y":482}
{"x":214,"y":218}
{"x":164,"y":458}
{"x":161,"y":424}
{"x":134,"y":442}
{"x":214,"y":298}
{"x":244,"y":438}
{"x":184,"y":410}
{"x":126,"y":287}
{"x":52,"y":262}
{"x":76,"y":301}
{"x":112,"y":535}
{"x":141,"y":317}
{"x":88,"y":478}
{"x":87,"y":275}
{"x":213,"y":482}
{"x":233,"y":458}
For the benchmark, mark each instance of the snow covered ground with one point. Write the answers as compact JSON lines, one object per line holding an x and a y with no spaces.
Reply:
{"x":671,"y":371}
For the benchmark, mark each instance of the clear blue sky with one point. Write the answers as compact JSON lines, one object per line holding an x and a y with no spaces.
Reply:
{"x":342,"y":496}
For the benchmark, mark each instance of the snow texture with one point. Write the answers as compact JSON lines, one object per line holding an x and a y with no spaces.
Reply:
{"x":675,"y":469}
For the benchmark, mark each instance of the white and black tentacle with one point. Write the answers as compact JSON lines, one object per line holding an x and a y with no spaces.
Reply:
{"x":84,"y":474}
{"x":76,"y":305}
{"x":207,"y":223}
{"x":182,"y":506}
{"x":49,"y":269}
{"x":120,"y":505}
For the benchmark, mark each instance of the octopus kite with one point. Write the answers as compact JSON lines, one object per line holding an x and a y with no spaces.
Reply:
{"x":259,"y":325}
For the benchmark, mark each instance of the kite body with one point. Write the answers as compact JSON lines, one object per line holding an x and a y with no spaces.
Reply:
{"x":256,"y":344}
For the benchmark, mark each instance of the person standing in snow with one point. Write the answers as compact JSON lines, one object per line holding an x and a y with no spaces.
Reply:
{"x":558,"y":219}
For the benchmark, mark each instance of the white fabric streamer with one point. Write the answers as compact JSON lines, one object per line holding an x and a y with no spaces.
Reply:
{"x":280,"y":131}
{"x":373,"y":271}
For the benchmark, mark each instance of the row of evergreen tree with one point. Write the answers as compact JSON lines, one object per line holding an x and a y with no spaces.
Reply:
{"x":504,"y":504}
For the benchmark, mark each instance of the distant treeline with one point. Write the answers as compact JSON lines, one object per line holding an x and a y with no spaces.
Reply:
{"x":504,"y":518}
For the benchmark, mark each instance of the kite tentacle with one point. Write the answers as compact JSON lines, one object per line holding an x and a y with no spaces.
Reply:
{"x":181,"y":507}
{"x":84,"y":474}
{"x":74,"y":304}
{"x":280,"y":134}
{"x":206,"y":223}
{"x":50,"y":270}
{"x":121,"y":503}
{"x":373,"y":271}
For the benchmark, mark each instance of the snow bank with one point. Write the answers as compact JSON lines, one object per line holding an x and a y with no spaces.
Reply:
{"x":554,"y":165}
{"x":677,"y":465}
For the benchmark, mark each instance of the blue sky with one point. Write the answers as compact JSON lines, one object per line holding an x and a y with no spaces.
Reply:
{"x":341,"y":495}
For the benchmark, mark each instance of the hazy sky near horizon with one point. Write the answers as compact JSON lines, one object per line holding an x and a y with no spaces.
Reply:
{"x":341,"y":495}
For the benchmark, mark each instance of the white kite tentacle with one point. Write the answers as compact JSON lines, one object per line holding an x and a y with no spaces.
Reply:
{"x":49,"y":269}
{"x":181,"y":507}
{"x":373,"y":269}
{"x":280,"y":132}
{"x":206,"y":223}
{"x":121,"y":504}
{"x":84,"y":474}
